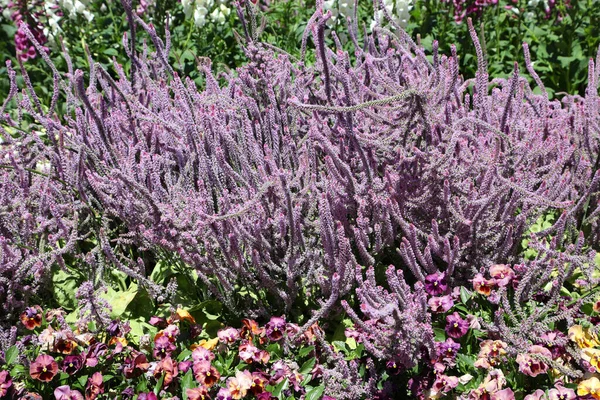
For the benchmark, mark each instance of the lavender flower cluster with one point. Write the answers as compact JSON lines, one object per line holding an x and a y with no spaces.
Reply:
{"x":286,"y":177}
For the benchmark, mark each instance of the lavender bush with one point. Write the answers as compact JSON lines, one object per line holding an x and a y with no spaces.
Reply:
{"x":277,"y":182}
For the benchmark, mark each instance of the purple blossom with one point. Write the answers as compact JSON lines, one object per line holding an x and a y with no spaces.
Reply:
{"x":163,"y":347}
{"x":72,"y":363}
{"x":447,"y":351}
{"x":275,"y":328}
{"x":440,"y":304}
{"x":435,"y":284}
{"x":456,"y":327}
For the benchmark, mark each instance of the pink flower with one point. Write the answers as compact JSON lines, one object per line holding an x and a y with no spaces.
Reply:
{"x":443,"y":384}
{"x":95,"y":386}
{"x":440,"y":304}
{"x":202,"y":354}
{"x":275,"y":328}
{"x":483,"y":286}
{"x":561,"y":393}
{"x":44,"y":368}
{"x":533,"y":366}
{"x":456,"y":327}
{"x":65,"y":393}
{"x":5,"y":383}
{"x":537,"y":395}
{"x":205,"y":373}
{"x":503,"y":274}
{"x":504,"y":394}
{"x":229,"y":335}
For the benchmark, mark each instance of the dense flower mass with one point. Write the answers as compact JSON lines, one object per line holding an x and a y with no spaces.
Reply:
{"x":386,"y":227}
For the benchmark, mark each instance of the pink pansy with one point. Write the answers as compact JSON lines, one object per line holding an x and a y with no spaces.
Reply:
{"x":561,"y":393}
{"x":531,"y":365}
{"x":503,"y":274}
{"x":537,"y":395}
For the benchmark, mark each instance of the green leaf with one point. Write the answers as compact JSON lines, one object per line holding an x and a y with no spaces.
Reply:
{"x":277,"y":390}
{"x":159,"y":384}
{"x":307,"y":366}
{"x":315,"y":393}
{"x":119,"y":300}
{"x":11,"y":355}
{"x":187,"y":382}
{"x":17,"y":370}
{"x":440,"y":334}
{"x":465,"y":295}
{"x":303,"y":352}
{"x":110,"y":52}
{"x":64,"y":287}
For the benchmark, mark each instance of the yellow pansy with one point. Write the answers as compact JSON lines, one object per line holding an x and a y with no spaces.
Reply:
{"x":589,"y":386}
{"x":208,"y":344}
{"x":583,"y":337}
{"x":185,"y":316}
{"x":593,"y":357}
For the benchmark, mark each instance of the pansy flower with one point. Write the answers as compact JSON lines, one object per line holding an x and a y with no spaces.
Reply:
{"x":183,"y":315}
{"x":489,"y":353}
{"x":554,"y":341}
{"x":147,"y":396}
{"x":456,"y":327}
{"x":171,"y":332}
{"x":250,"y":329}
{"x":167,"y":368}
{"x":71,"y":364}
{"x":275,"y":329}
{"x":95,"y":351}
{"x":593,"y":357}
{"x":200,"y":393}
{"x":31,"y":396}
{"x":205,"y":373}
{"x":66,"y":393}
{"x":483,"y":286}
{"x":503,"y":274}
{"x":114,"y":329}
{"x":440,"y":304}
{"x":443,"y":384}
{"x":447,"y":351}
{"x":64,"y":342}
{"x":239,"y":385}
{"x":533,"y":366}
{"x":589,"y":387}
{"x":223,"y":394}
{"x":259,"y":381}
{"x":537,"y":395}
{"x":5,"y":383}
{"x":435,"y":284}
{"x":560,"y":392}
{"x":44,"y":368}
{"x":583,"y":337}
{"x":158,"y":322}
{"x":184,"y":366}
{"x":31,"y":318}
{"x":162,"y":347}
{"x":94,"y":387}
{"x":504,"y":394}
{"x":202,"y":354}
{"x":135,"y":365}
{"x":229,"y":335}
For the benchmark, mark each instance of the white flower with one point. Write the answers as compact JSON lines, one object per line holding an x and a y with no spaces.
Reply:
{"x":200,"y":16}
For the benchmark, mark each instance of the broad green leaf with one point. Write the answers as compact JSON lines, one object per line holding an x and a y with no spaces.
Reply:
{"x":64,"y":287}
{"x":11,"y":355}
{"x":315,"y":393}
{"x":303,"y":352}
{"x":307,"y":366}
{"x":119,"y":300}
